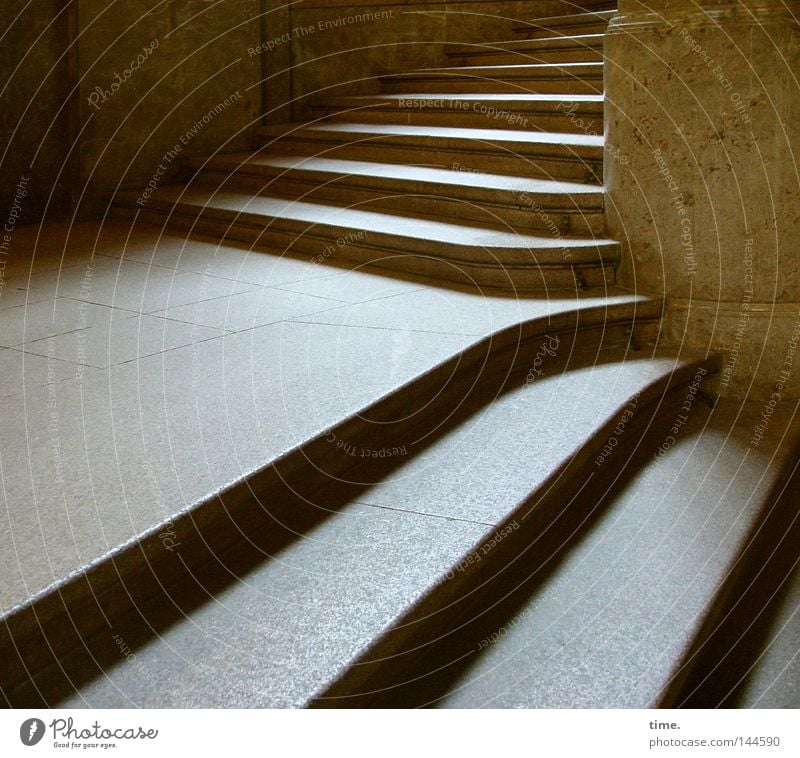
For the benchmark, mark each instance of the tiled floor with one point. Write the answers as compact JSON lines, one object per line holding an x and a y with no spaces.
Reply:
{"x":142,"y":373}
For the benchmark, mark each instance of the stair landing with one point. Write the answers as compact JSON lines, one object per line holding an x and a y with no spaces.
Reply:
{"x":149,"y":373}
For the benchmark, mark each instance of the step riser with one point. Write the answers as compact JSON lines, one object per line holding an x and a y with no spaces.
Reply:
{"x":523,"y":57}
{"x":542,"y":213}
{"x":417,"y":257}
{"x":578,"y":121}
{"x":551,"y":86}
{"x":513,"y":161}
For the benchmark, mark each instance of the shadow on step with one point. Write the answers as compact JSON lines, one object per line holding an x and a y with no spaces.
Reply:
{"x":435,"y":646}
{"x":66,"y":639}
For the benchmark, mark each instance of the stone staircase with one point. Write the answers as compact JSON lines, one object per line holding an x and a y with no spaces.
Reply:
{"x":487,"y":173}
{"x":533,"y":510}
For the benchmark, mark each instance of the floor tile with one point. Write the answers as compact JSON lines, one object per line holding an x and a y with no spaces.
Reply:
{"x":49,"y":318}
{"x":12,"y":296}
{"x":89,"y":463}
{"x":132,"y":285}
{"x":121,"y":341}
{"x":356,"y":286}
{"x":202,"y":255}
{"x":248,"y":310}
{"x":435,"y":310}
{"x":21,"y":371}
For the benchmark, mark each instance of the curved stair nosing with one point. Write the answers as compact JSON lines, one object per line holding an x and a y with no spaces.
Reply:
{"x":521,"y":52}
{"x":554,"y":25}
{"x":549,"y":218}
{"x":522,"y":268}
{"x":496,"y":80}
{"x":62,"y":616}
{"x":547,"y":44}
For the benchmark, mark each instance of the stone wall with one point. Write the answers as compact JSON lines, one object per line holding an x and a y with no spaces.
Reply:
{"x":704,"y":102}
{"x":34,"y":117}
{"x":161,"y":81}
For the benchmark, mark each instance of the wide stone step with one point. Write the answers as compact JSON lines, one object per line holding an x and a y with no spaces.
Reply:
{"x":492,"y":200}
{"x":452,"y":252}
{"x":583,"y":48}
{"x":550,"y":113}
{"x":576,"y":24}
{"x":550,"y":155}
{"x":596,"y":606}
{"x":554,"y":78}
{"x":312,"y":587}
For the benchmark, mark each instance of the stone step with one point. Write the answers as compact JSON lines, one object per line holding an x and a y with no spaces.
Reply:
{"x":552,"y":78}
{"x":576,"y":24}
{"x":598,"y":609}
{"x":548,"y":113}
{"x":491,"y":200}
{"x":563,"y":156}
{"x":451,"y":252}
{"x":579,"y":48}
{"x":308,"y":595}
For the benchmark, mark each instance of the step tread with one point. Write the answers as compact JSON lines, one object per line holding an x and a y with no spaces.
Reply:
{"x":403,"y":174}
{"x":512,"y":100}
{"x":513,"y":70}
{"x":367,"y":131}
{"x":368,"y":221}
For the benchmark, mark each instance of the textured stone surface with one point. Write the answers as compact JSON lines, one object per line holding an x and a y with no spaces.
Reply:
{"x":34,"y":122}
{"x":704,"y":113}
{"x":476,"y":471}
{"x":285,"y":630}
{"x":197,"y":59}
{"x":606,"y":628}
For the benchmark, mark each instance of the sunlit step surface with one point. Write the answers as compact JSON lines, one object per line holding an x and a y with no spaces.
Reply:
{"x":544,"y":112}
{"x":456,"y":193}
{"x":576,"y":156}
